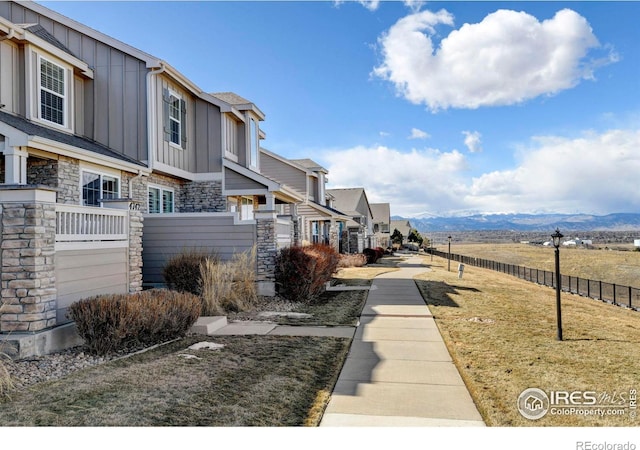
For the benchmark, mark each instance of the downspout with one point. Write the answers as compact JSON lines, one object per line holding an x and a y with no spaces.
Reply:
{"x":137,"y":177}
{"x":152,"y":115}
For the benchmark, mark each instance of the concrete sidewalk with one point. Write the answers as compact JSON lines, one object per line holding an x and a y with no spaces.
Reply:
{"x":398,"y":371}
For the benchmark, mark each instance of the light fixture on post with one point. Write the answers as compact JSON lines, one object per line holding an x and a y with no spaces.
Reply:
{"x":556,"y":243}
{"x":449,"y":257}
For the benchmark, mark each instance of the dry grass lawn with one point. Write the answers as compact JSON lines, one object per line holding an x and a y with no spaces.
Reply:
{"x":253,"y":381}
{"x":501,"y":333}
{"x":612,"y":266}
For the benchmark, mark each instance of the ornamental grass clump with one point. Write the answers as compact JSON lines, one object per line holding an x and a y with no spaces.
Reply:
{"x":120,"y":322}
{"x":302,"y":272}
{"x":228,"y":286}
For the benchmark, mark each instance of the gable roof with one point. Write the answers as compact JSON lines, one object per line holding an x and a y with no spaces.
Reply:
{"x":403,"y":226}
{"x":310,"y":164}
{"x":381,"y":212}
{"x":347,"y":200}
{"x":238,"y":102}
{"x":43,"y":34}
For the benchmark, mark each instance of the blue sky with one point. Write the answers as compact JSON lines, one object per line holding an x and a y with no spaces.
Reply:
{"x":439,"y":108}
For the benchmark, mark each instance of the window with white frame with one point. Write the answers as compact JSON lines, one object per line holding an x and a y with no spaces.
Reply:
{"x":53,"y":92}
{"x":161,"y":200}
{"x":231,"y":137}
{"x":246,"y":208}
{"x":174,"y":119}
{"x":175,"y":110}
{"x":97,"y":187}
{"x":254,"y":144}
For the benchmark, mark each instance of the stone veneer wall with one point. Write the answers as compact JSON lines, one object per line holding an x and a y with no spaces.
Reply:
{"x":63,"y":174}
{"x":203,"y":196}
{"x":266,"y":252}
{"x":27,"y":252}
{"x":334,"y":240}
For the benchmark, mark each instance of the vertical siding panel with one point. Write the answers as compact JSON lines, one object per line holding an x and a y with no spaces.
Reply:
{"x":130,"y":117}
{"x":102,"y":93}
{"x":61,"y":33}
{"x":199,"y":146}
{"x":142,"y":137}
{"x":214,"y":147}
{"x":78,"y":87}
{"x":74,"y":42}
{"x":88,"y":55}
{"x":116,"y":100}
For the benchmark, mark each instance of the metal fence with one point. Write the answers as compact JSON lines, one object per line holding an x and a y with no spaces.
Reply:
{"x":600,"y":290}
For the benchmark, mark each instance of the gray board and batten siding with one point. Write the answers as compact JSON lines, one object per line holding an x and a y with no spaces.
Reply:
{"x":201,"y":150}
{"x":111,"y":108}
{"x":283,"y":172}
{"x":167,"y":235}
{"x":236,"y":181}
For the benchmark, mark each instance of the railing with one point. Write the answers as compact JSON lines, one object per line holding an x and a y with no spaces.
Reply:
{"x":84,"y":223}
{"x":283,"y":231}
{"x":600,"y":290}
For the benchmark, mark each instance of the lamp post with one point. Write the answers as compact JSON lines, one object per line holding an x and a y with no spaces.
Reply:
{"x":556,"y":243}
{"x":431,"y":245}
{"x":449,"y":257}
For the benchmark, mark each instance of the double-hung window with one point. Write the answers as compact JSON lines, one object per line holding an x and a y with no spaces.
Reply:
{"x":161,"y":200}
{"x":175,"y":116}
{"x":53,"y":92}
{"x":97,"y":187}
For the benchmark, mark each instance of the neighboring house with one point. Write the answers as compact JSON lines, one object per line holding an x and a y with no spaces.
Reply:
{"x":404,"y":227}
{"x":359,"y":228}
{"x":382,"y":223}
{"x":97,"y":138}
{"x":315,"y":222}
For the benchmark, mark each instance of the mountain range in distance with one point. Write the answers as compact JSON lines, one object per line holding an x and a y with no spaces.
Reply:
{"x":527,"y":222}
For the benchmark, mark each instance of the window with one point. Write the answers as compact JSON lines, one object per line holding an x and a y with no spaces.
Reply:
{"x":52,"y":92}
{"x":175,"y":110}
{"x":254,"y":144}
{"x":160,"y":200}
{"x":246,"y":208}
{"x":174,"y":119}
{"x":97,"y":187}
{"x":231,"y":137}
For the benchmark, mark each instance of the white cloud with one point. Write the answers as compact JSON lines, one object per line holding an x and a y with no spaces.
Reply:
{"x":594,"y":173}
{"x":472,"y":139}
{"x":412,"y":182}
{"x":419,"y":134}
{"x":371,"y":5}
{"x":384,"y":134}
{"x":507,"y":58}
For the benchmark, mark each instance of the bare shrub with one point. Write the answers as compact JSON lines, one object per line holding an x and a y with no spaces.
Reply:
{"x":182,"y":271}
{"x":116,"y":322}
{"x":229,"y":286}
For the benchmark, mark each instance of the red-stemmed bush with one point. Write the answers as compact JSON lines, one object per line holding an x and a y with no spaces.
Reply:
{"x":373,"y":254}
{"x":302,"y":272}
